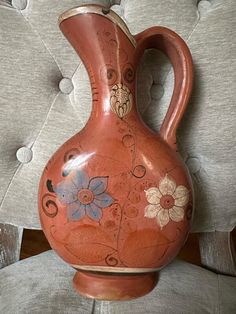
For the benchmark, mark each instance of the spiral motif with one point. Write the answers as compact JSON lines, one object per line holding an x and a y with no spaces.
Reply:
{"x":111,"y":261}
{"x":108,"y":74}
{"x":128,"y":73}
{"x":49,"y":205}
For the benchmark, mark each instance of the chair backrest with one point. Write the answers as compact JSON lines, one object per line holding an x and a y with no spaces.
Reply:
{"x":45,"y":98}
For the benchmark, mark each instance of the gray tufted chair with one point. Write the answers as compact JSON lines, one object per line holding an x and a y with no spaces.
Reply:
{"x":45,"y":99}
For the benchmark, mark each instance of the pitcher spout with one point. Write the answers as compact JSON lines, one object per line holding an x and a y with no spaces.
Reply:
{"x":96,"y":32}
{"x":106,"y":47}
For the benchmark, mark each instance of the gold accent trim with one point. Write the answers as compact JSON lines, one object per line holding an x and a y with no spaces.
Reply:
{"x":97,"y":9}
{"x":110,"y":269}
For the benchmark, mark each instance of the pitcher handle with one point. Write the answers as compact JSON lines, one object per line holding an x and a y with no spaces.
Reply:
{"x":174,"y":47}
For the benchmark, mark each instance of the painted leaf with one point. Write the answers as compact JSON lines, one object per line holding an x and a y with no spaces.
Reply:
{"x":98,"y":185}
{"x":89,"y":234}
{"x":89,"y":243}
{"x":89,"y":252}
{"x":143,"y":248}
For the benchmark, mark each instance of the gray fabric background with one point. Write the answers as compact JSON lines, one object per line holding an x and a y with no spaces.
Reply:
{"x":42,"y":284}
{"x":34,"y":57}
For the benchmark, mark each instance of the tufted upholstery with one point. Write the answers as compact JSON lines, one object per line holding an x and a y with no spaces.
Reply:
{"x":45,"y":98}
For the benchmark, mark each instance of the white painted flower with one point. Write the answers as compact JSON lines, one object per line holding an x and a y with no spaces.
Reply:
{"x":166,"y":202}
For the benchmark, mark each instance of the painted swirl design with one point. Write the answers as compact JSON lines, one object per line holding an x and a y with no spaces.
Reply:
{"x":128,"y":73}
{"x":49,"y":205}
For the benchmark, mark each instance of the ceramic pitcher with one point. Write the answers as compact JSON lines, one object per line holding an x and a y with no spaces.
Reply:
{"x":115,"y":200}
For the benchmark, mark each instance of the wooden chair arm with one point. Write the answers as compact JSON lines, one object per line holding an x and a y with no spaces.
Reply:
{"x":10,"y":244}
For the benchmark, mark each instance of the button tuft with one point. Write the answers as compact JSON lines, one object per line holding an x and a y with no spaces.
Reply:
{"x":19,"y":4}
{"x":157,"y":91}
{"x":24,"y":155}
{"x":66,"y":86}
{"x":203,"y":6}
{"x":193,"y":164}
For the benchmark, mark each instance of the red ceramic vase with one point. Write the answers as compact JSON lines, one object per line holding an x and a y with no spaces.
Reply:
{"x":115,"y":201}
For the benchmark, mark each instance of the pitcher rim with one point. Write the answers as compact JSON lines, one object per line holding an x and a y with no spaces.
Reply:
{"x":98,"y":9}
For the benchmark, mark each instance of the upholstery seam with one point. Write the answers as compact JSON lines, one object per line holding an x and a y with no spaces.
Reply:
{"x":21,"y":164}
{"x":50,"y":53}
{"x":40,"y":131}
{"x":9,"y":184}
{"x":50,"y":109}
{"x":44,"y":44}
{"x":194,"y":27}
{"x":46,"y":119}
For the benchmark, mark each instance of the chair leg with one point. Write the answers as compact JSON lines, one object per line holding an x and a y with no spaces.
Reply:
{"x":10,"y":244}
{"x":218,"y":252}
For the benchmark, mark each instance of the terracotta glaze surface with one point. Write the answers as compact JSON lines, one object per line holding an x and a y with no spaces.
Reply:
{"x":115,"y":201}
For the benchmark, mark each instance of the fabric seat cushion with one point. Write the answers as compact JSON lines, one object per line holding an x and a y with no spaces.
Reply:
{"x":42,"y":284}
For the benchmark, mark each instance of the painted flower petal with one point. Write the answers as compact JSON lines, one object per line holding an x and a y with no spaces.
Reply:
{"x":80,"y":179}
{"x":94,"y":212}
{"x":103,"y":200}
{"x":167,"y":185}
{"x":163,"y":217}
{"x":153,"y":195}
{"x":176,"y":213}
{"x":98,"y":185}
{"x":75,"y":211}
{"x":151,"y":211}
{"x":181,"y":196}
{"x":66,"y":192}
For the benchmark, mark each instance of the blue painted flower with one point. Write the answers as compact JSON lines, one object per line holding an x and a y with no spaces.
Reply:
{"x":83,"y":196}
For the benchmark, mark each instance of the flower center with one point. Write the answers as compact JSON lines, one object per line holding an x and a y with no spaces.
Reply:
{"x":167,"y":201}
{"x":85,"y":196}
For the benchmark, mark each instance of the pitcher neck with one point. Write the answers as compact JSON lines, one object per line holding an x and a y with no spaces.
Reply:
{"x":107,"y":51}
